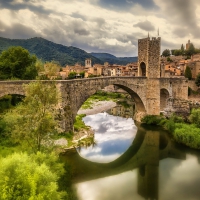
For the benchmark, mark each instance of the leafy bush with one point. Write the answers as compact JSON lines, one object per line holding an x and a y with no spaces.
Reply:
{"x":195,"y":117}
{"x":152,"y":119}
{"x":187,"y":134}
{"x":79,"y":124}
{"x":30,"y":177}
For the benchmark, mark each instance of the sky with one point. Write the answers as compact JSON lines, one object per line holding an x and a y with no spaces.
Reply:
{"x":109,"y":26}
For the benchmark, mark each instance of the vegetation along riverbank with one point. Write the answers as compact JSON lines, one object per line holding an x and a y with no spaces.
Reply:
{"x":30,"y":166}
{"x":186,"y":132}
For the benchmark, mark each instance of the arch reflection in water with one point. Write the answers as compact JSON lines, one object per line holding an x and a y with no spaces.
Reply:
{"x":137,"y":169}
{"x":113,"y":136}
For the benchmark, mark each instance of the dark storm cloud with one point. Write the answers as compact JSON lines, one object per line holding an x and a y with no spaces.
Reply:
{"x":18,"y":31}
{"x":81,"y":31}
{"x":145,"y":25}
{"x":78,"y":16}
{"x":100,"y":21}
{"x":168,"y":44}
{"x":12,"y":5}
{"x":182,"y":14}
{"x":126,"y":4}
{"x":180,"y":32}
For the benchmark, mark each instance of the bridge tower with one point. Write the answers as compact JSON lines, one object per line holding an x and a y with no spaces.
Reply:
{"x":149,"y":66}
{"x":149,"y":57}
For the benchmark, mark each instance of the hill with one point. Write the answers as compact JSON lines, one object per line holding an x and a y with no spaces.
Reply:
{"x":48,"y":51}
{"x":106,"y":57}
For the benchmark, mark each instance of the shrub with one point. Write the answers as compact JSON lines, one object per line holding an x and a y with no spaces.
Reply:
{"x":188,"y":135}
{"x":30,"y":177}
{"x":151,"y":119}
{"x":195,"y":117}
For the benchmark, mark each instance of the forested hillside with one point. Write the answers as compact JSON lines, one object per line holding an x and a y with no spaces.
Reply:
{"x":48,"y":51}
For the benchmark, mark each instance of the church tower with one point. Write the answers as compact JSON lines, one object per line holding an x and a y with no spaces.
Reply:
{"x":88,"y":63}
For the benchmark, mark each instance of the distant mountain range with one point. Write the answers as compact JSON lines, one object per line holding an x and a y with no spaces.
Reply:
{"x":106,"y":57}
{"x":48,"y":51}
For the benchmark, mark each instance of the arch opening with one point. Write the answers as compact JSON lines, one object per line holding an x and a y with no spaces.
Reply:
{"x":10,"y":100}
{"x":164,"y":96}
{"x":142,"y":69}
{"x":139,"y":106}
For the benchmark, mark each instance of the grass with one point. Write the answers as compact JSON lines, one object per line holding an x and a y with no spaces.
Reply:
{"x":86,"y":142}
{"x":79,"y":124}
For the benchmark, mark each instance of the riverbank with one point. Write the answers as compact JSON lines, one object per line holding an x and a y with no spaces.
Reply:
{"x":98,"y":107}
{"x":82,"y":134}
{"x":186,"y":133}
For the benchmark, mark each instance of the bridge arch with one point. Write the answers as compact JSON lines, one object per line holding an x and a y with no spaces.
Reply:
{"x":164,"y":96}
{"x":12,"y":93}
{"x":131,"y":89}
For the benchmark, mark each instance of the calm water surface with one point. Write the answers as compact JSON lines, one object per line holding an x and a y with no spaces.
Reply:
{"x":134,"y":162}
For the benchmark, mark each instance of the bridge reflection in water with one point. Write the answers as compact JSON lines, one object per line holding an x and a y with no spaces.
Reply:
{"x":148,"y":148}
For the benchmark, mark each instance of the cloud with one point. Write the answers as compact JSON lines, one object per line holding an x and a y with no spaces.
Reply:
{"x":26,"y":4}
{"x":81,"y":31}
{"x":79,"y":16}
{"x":126,"y":5}
{"x":102,"y":25}
{"x":180,"y":32}
{"x":182,"y":15}
{"x":17,"y":31}
{"x":145,"y":25}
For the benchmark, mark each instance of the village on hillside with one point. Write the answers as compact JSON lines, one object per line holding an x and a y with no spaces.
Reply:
{"x":170,"y":66}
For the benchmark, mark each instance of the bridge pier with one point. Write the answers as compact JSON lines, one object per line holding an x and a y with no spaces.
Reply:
{"x":153,"y":96}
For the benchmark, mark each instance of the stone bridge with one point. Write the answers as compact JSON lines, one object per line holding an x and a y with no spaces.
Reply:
{"x":151,"y":92}
{"x":150,"y":95}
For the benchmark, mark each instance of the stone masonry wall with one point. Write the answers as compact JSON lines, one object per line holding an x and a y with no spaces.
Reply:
{"x":192,"y":85}
{"x":144,"y":91}
{"x":142,"y":53}
{"x":154,"y":58}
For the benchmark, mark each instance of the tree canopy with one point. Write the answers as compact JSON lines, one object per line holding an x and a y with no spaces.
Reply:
{"x":16,"y":62}
{"x":182,"y":48}
{"x":197,"y":80}
{"x":195,"y":117}
{"x":188,"y":73}
{"x":33,"y":122}
{"x":51,"y":68}
{"x":166,"y":53}
{"x":31,"y":177}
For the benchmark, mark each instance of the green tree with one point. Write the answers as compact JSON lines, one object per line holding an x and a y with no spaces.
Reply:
{"x":33,"y":177}
{"x":72,"y":75}
{"x":82,"y":74}
{"x":177,"y":52}
{"x":182,"y":48}
{"x":188,"y":73}
{"x":39,"y":66}
{"x":51,"y":68}
{"x":195,"y":117}
{"x":33,"y":122}
{"x":169,"y":59}
{"x":166,"y":53}
{"x":16,"y":62}
{"x":172,"y":51}
{"x":197,"y":80}
{"x":191,"y":50}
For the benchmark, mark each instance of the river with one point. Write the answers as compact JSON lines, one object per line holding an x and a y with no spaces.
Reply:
{"x":133,"y":161}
